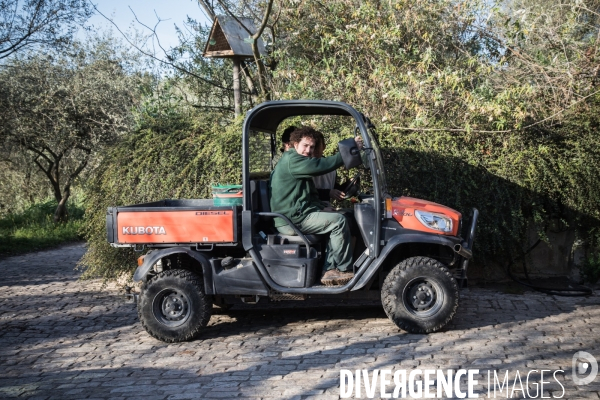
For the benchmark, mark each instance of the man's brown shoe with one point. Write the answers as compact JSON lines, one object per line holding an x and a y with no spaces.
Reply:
{"x":344,"y":277}
{"x":334,"y":277}
{"x":330,"y":277}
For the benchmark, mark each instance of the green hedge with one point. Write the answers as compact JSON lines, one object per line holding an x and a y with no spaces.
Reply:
{"x":175,"y":153}
{"x":515,"y":180}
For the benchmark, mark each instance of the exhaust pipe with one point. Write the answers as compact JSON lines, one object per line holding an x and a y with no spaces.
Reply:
{"x":463,"y":251}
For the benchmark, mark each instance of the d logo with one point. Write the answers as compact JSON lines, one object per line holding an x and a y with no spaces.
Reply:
{"x":584,"y":363}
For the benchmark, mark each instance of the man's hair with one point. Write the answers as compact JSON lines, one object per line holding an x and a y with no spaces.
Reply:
{"x":285,"y":137}
{"x":305,"y":132}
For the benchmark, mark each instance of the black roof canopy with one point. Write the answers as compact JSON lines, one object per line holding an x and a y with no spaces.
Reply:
{"x":267,"y":116}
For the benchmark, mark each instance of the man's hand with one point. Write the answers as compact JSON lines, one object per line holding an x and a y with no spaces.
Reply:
{"x":337,"y":194}
{"x":359,"y":142}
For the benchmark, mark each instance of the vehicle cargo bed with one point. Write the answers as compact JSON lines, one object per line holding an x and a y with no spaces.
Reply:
{"x":172,"y":222}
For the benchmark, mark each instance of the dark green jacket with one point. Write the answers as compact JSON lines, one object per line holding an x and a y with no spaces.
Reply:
{"x":292,"y":189}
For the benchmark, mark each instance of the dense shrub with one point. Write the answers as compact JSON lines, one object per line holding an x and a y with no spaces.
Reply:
{"x":174,"y":153}
{"x":476,"y":105}
{"x":590,"y":270}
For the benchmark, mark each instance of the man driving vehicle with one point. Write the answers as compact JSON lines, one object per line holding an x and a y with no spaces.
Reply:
{"x":294,"y":195}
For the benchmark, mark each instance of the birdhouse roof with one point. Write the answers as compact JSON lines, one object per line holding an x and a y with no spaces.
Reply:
{"x":228,"y":38}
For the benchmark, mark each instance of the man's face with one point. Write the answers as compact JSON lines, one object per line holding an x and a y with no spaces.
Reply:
{"x":305,"y":147}
{"x":318,"y":152}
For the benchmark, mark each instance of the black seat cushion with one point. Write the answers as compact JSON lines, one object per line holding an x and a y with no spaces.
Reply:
{"x":295,"y":239}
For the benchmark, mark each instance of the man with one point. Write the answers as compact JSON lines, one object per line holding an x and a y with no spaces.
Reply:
{"x":326,"y":184}
{"x":328,"y":188}
{"x":294,"y":195}
{"x":285,"y":138}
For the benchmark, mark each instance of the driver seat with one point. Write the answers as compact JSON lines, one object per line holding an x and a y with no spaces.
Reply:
{"x":276,"y":237}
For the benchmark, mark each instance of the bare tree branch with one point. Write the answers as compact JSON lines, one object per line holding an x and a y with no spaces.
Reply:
{"x":260,"y":65}
{"x":169,"y":63}
{"x":39,"y":22}
{"x":208,"y":9}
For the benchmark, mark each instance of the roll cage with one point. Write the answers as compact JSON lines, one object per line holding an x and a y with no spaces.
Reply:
{"x":267,"y":116}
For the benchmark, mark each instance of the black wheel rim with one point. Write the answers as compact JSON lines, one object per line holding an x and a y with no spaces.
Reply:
{"x":171,"y":307}
{"x":423,"y":297}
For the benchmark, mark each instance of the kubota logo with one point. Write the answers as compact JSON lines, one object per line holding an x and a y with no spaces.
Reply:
{"x":144,"y":230}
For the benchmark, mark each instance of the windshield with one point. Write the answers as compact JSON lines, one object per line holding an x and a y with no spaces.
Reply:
{"x":376,"y":152}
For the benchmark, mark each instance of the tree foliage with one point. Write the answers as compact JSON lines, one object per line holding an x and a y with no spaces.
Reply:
{"x":30,"y":23}
{"x":205,"y":83}
{"x":59,"y":109}
{"x":480,"y":104}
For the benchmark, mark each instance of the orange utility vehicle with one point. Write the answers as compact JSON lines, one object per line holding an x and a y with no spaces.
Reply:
{"x":413,"y":254}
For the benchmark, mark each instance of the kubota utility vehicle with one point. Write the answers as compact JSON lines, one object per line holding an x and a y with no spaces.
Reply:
{"x":415,"y":254}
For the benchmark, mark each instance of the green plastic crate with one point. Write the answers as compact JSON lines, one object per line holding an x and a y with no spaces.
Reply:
{"x":227,"y":195}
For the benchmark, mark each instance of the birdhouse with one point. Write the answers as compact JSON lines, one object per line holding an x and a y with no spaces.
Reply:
{"x":228,"y":38}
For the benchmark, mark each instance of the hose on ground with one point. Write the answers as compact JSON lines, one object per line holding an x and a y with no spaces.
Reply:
{"x":568,"y":292}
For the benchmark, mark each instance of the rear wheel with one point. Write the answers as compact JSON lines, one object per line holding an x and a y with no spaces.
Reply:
{"x":420,"y":295}
{"x":173,"y":306}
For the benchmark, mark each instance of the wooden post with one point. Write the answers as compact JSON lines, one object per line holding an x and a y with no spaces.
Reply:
{"x":237,"y":88}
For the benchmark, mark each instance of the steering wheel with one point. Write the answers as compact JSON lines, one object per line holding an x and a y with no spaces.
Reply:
{"x":351,"y":187}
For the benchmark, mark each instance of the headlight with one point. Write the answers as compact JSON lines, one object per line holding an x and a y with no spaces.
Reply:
{"x":438,"y":222}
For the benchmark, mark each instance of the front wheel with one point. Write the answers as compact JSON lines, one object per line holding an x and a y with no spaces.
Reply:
{"x":420,"y":295}
{"x":173,"y":306}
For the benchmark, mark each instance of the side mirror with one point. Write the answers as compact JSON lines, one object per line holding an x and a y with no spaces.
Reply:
{"x":350,"y":153}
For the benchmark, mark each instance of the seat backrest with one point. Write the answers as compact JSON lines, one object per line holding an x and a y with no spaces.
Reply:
{"x":254,"y":199}
{"x":259,"y":197}
{"x":263,"y":194}
{"x":264,"y":205}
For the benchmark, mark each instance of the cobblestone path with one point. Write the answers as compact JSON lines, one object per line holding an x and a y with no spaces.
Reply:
{"x":61,"y":338}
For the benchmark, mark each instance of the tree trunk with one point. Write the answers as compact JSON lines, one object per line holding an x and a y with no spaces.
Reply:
{"x":237,"y":88}
{"x":52,"y":171}
{"x":250,"y":83}
{"x":262,"y":72}
{"x":61,"y":215}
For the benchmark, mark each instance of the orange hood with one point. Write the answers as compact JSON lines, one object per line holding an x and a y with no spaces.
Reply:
{"x":403,"y":211}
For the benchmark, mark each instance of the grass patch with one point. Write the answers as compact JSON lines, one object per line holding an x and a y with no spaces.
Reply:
{"x":33,"y":229}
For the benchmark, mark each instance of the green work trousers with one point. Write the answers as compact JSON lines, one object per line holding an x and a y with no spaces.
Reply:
{"x":339,"y":252}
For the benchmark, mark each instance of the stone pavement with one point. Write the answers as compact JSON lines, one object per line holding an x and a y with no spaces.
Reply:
{"x":61,"y":338}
